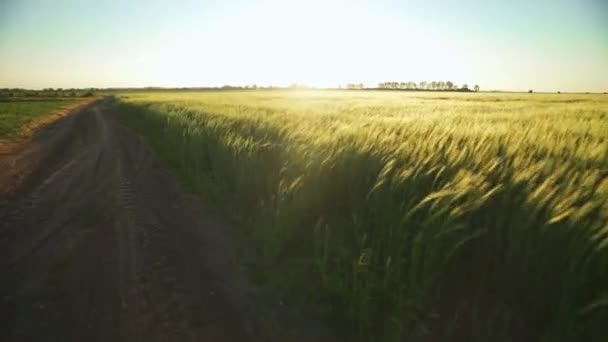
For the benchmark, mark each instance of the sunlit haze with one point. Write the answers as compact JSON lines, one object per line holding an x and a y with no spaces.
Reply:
{"x":506,"y":45}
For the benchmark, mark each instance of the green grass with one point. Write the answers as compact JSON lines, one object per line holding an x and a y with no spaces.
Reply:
{"x":426,"y":217}
{"x":15,"y":114}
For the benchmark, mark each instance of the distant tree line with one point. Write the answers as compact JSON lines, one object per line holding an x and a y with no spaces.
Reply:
{"x":6,"y":93}
{"x":424,"y":85}
{"x":354,"y":86}
{"x":247,"y":86}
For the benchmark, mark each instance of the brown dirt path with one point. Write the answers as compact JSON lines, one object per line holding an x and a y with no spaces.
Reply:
{"x":100,"y":244}
{"x":23,"y":152}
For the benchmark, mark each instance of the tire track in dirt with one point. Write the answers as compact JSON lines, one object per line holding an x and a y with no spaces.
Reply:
{"x":89,"y":250}
{"x":102,"y":244}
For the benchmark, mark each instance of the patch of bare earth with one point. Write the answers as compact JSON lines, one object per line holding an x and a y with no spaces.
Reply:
{"x":20,"y":154}
{"x":99,"y":243}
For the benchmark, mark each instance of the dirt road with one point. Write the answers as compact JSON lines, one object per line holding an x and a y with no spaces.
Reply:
{"x":101,"y":244}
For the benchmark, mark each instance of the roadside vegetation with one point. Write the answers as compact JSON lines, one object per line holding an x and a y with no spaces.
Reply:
{"x":19,"y":117}
{"x":408,"y":216}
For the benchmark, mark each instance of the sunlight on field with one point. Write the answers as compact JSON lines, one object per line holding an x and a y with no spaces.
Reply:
{"x":404,"y":212}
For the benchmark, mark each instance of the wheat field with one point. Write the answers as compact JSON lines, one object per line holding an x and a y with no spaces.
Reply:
{"x":433,"y":216}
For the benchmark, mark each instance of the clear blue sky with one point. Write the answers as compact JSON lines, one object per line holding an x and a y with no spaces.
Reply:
{"x":509,"y":45}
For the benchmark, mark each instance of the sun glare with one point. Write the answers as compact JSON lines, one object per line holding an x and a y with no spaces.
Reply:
{"x":316,"y":43}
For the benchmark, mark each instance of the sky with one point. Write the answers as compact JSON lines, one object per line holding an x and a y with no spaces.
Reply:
{"x":545,"y":45}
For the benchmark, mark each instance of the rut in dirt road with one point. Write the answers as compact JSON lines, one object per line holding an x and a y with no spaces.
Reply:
{"x":102,"y":246}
